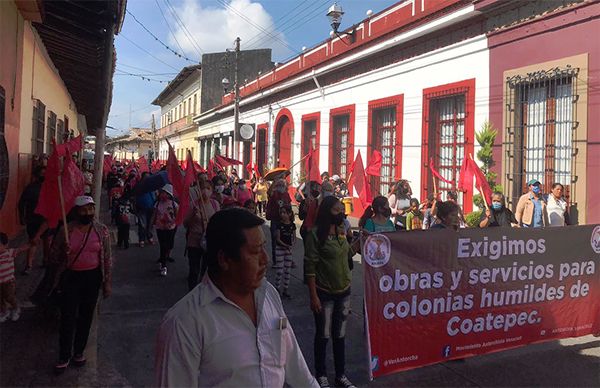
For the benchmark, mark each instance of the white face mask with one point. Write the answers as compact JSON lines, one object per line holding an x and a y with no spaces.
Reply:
{"x":219,"y":189}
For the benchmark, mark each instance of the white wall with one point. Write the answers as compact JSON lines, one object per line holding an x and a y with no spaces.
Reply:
{"x":465,"y":60}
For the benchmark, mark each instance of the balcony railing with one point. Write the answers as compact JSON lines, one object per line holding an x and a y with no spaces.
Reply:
{"x":175,"y":127}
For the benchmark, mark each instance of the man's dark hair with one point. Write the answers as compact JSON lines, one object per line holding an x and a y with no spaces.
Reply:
{"x":446,"y":208}
{"x":225,"y":232}
{"x":452,"y":195}
{"x":37,"y":172}
{"x":3,"y":238}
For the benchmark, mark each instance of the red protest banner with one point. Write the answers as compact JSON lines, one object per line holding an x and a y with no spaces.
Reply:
{"x":433,"y":296}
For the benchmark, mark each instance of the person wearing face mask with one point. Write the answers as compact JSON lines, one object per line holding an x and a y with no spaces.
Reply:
{"x":531,"y":209}
{"x":83,"y":266}
{"x":260,"y":190}
{"x":219,"y":188}
{"x":307,"y":210}
{"x":165,"y":213}
{"x":278,"y":198}
{"x":448,"y":215}
{"x":195,"y":223}
{"x":328,"y":277}
{"x":241,"y":193}
{"x":497,"y":214}
{"x":376,"y":218}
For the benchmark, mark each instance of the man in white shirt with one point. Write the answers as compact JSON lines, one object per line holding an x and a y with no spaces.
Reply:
{"x":231,"y":329}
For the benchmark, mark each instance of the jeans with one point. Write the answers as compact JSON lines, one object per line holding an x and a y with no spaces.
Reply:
{"x":145,"y":224}
{"x":166,"y":241}
{"x":331,"y":322}
{"x":123,"y":235}
{"x":79,"y":298}
{"x":197,"y":266}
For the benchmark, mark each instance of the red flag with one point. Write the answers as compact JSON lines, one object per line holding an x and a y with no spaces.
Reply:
{"x":249,"y":168}
{"x":143,"y":164}
{"x":258,"y":175}
{"x":312,"y":166}
{"x":198,"y":167}
{"x":374,"y":167}
{"x":184,"y":198}
{"x":174,"y":172}
{"x":224,"y":161}
{"x":155,"y":166}
{"x":211,"y":169}
{"x":72,"y":181}
{"x":481,"y":182}
{"x":465,"y":180}
{"x":360,"y":181}
{"x":107,"y":166}
{"x":437,"y":175}
{"x":70,"y":147}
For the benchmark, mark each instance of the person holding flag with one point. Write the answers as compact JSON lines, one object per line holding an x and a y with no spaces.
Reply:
{"x":498,"y":214}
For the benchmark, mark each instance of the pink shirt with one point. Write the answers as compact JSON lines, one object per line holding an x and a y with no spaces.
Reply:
{"x":90,"y":255}
{"x":243,"y":196}
{"x":7,"y":265}
{"x":166,"y":211}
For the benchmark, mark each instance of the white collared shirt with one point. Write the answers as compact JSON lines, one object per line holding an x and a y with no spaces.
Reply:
{"x":556,"y":211}
{"x":207,"y":340}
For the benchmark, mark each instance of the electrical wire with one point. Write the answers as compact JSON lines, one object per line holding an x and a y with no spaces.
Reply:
{"x":185,"y":30}
{"x":146,"y":51}
{"x":144,"y":78}
{"x":169,"y":26}
{"x":183,"y":56}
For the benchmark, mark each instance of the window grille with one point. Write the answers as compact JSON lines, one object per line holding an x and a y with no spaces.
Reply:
{"x":541,"y":130}
{"x":309,"y":140}
{"x":61,"y":136}
{"x":51,"y":123}
{"x":341,"y":139}
{"x":38,"y":126}
{"x":447,"y":139}
{"x":384,"y":135}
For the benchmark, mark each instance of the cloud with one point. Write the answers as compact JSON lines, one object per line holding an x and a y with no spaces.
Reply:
{"x":215,"y":29}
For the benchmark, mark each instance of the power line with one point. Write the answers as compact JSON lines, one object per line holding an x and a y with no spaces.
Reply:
{"x":143,"y":77}
{"x":186,"y":32}
{"x":146,"y":51}
{"x":169,"y":26}
{"x":160,"y":41}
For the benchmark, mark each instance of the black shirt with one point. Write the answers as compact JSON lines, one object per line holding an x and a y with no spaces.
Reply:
{"x":502,"y":217}
{"x":287,"y":232}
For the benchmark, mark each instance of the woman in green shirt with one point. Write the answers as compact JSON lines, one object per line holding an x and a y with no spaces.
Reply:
{"x":376,"y":218}
{"x":328,"y":277}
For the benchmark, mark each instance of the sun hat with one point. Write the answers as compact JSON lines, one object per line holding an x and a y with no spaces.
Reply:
{"x":84,"y":200}
{"x":168,"y":188}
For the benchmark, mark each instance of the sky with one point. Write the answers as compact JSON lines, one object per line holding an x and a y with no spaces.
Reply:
{"x":160,"y":37}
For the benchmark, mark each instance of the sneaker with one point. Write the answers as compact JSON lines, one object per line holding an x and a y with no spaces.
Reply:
{"x":141,"y":244}
{"x":4,"y":316}
{"x":15,"y":314}
{"x":151,"y":242}
{"x":343,"y":381}
{"x":163,"y":271}
{"x":79,"y":360}
{"x":61,"y":367}
{"x":323,"y":382}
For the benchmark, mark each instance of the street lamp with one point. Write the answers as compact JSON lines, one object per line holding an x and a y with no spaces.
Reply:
{"x":225,"y":83}
{"x":335,"y":14}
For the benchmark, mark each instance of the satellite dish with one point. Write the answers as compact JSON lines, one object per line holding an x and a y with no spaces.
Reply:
{"x":247,"y":131}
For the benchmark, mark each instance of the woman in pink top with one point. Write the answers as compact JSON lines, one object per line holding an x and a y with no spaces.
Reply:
{"x":165,"y":213}
{"x":242,"y":193}
{"x":82,"y":267}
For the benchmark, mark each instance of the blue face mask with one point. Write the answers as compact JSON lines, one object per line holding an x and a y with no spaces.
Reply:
{"x":536,"y":189}
{"x":496,"y":206}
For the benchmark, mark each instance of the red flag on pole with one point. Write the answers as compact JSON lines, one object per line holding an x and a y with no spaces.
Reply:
{"x":360,"y":181}
{"x":374,"y":167}
{"x":249,"y":168}
{"x":184,"y":198}
{"x":143,"y":164}
{"x":465,"y":180}
{"x":481,"y":182}
{"x":70,"y":147}
{"x":437,"y":174}
{"x":224,"y":161}
{"x":72,"y":181}
{"x":155,"y":166}
{"x":258,"y":174}
{"x":174,"y":172}
{"x":107,"y":166}
{"x":312,"y":166}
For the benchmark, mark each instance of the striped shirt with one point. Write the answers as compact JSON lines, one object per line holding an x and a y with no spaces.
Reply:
{"x":7,"y":265}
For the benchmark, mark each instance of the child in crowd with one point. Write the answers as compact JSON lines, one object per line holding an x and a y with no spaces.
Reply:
{"x":165,"y":213}
{"x":285,"y":237}
{"x":414,"y":217}
{"x":8,"y":298}
{"x":376,"y":218}
{"x":123,"y":217}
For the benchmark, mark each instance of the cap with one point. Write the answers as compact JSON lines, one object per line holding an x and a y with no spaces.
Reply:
{"x":336,"y":178}
{"x":168,"y":188}
{"x":84,"y":200}
{"x":533,"y":182}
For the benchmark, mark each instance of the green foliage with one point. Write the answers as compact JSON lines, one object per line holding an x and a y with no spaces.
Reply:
{"x":485,"y":139}
{"x":472,"y":219}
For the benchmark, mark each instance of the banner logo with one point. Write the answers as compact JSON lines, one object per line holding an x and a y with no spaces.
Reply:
{"x":377,"y":250}
{"x":595,"y":240}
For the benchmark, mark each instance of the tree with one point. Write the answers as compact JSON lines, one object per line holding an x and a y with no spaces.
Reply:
{"x":485,"y":138}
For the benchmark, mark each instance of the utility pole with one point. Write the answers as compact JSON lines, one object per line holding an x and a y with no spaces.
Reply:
{"x":236,"y":109}
{"x":153,"y":139}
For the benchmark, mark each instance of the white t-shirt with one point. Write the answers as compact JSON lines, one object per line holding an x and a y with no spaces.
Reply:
{"x":556,"y":211}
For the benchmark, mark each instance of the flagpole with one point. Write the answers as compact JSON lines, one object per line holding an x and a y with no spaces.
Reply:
{"x":62,"y":203}
{"x":295,"y":164}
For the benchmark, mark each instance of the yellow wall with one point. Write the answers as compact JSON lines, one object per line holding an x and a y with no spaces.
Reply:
{"x":41,"y":81}
{"x":187,"y":141}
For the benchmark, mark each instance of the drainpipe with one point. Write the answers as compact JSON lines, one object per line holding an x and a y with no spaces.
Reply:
{"x":271,"y":163}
